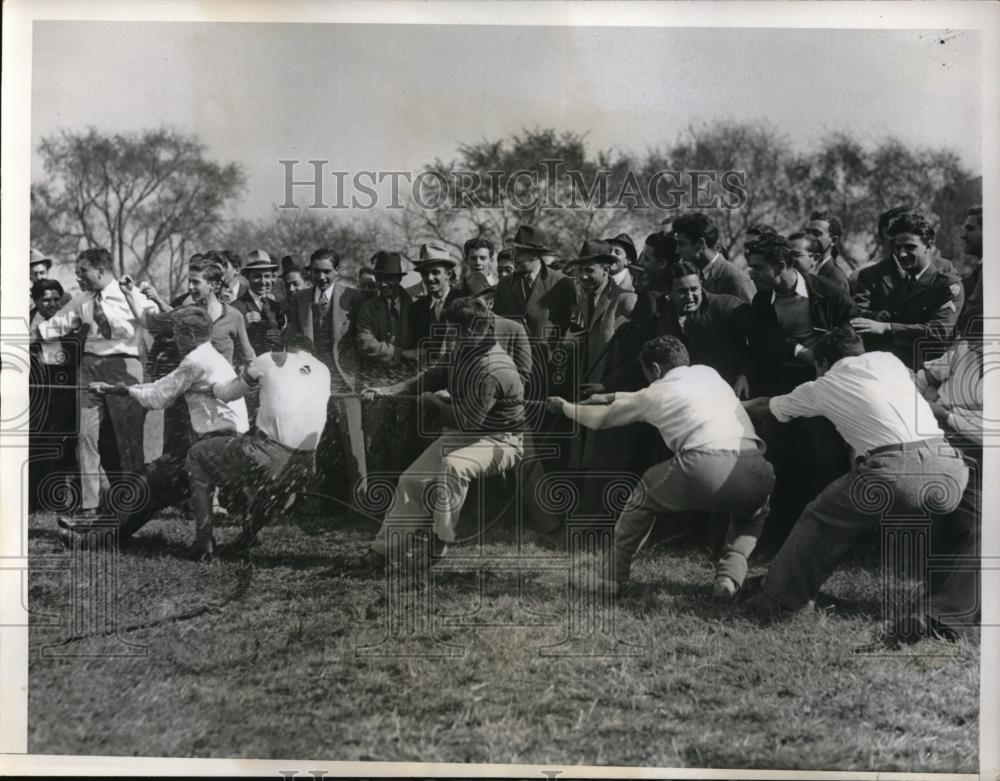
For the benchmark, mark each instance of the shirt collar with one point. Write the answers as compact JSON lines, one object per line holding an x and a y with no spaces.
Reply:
{"x":801,"y":290}
{"x":620,"y":276}
{"x":717,"y":256}
{"x":904,"y":274}
{"x":670,"y":375}
{"x":113,"y":290}
{"x":255,"y":298}
{"x":321,"y":296}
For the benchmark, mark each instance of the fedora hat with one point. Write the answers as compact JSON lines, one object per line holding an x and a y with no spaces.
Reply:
{"x":388,"y":264}
{"x":434,"y":254}
{"x":624,"y":241}
{"x":593,"y":251}
{"x":528,"y":237}
{"x":38,"y":257}
{"x":289,"y":265}
{"x":258,"y":260}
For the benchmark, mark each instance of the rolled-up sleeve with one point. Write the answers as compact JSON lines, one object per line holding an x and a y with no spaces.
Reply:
{"x":166,"y":390}
{"x":626,"y":408}
{"x":803,"y":402}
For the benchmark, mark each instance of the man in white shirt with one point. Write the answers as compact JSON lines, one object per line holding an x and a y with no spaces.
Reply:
{"x":111,"y":353}
{"x":718,"y":464}
{"x":277,"y":459}
{"x":165,"y":483}
{"x":904,"y":466}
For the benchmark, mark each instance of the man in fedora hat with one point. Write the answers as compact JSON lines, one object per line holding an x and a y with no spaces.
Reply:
{"x":536,"y":295}
{"x":602,"y":308}
{"x":427,"y":323}
{"x":382,"y":331}
{"x":624,"y":251}
{"x":382,"y":326}
{"x":265,"y":318}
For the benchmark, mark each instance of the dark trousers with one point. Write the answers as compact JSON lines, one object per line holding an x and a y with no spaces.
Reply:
{"x":52,"y":446}
{"x":953,"y":582}
{"x":341,"y":464}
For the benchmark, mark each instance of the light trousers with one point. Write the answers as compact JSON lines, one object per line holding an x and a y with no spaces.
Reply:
{"x":433,"y":488}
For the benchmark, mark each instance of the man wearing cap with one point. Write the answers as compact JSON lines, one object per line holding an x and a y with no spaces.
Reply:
{"x":39,"y":265}
{"x":624,"y":251}
{"x":265,"y":318}
{"x":111,"y":353}
{"x":539,"y":297}
{"x":697,"y":237}
{"x":323,"y":314}
{"x":427,"y":324}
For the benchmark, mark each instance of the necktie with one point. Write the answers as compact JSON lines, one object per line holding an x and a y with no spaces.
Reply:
{"x":101,"y":319}
{"x":593,"y":308}
{"x":436,"y":308}
{"x":526,"y":285}
{"x":267,"y":314}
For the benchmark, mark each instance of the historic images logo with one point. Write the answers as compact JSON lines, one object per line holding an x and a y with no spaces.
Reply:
{"x":549,"y":187}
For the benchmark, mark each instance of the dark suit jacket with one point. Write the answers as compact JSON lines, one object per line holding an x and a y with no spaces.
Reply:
{"x":926,"y":307}
{"x":612,"y":307}
{"x":380,"y":343}
{"x":771,"y":349}
{"x":423,"y":325}
{"x":548,"y":311}
{"x":343,"y":361}
{"x":258,"y":331}
{"x":832,"y":272}
{"x":716,"y":336}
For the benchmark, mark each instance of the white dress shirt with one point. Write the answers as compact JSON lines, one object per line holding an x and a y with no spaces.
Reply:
{"x":126,"y":330}
{"x":49,"y":353}
{"x":206,"y":366}
{"x":293,"y":397}
{"x":957,"y":384}
{"x":692,"y":407}
{"x":871,"y":399}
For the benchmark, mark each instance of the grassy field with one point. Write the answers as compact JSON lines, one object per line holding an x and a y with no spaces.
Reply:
{"x":270,"y":663}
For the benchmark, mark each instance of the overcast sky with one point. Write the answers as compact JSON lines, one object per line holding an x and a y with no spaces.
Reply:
{"x":394,"y":97}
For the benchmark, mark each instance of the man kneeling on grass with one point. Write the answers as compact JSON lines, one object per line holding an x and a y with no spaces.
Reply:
{"x":718,"y":464}
{"x":274,"y":461}
{"x":904,"y":466}
{"x":483,"y":420}
{"x":165,"y":482}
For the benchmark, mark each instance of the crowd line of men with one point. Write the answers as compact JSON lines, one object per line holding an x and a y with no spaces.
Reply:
{"x":794,"y":393}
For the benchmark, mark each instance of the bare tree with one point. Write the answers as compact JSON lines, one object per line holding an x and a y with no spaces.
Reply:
{"x":146,"y":197}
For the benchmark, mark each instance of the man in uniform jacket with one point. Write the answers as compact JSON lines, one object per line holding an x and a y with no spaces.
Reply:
{"x":905,"y":298}
{"x":322,"y":314}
